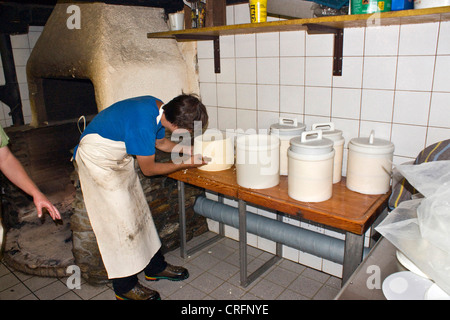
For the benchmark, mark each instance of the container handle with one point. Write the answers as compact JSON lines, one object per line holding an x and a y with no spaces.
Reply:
{"x":288,"y":121}
{"x":328,"y":124}
{"x":371,"y":137}
{"x":311,"y":133}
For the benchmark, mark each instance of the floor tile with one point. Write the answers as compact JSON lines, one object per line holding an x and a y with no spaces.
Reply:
{"x":281,"y":276}
{"x":8,"y":280}
{"x":69,"y":296}
{"x":316,"y":275}
{"x":291,"y":295}
{"x":207,"y":282}
{"x":187,"y":292}
{"x":326,"y":293}
{"x":52,"y":291}
{"x":227,"y":291}
{"x":205,"y":261}
{"x":108,"y":294}
{"x":15,"y":292}
{"x":88,"y":291}
{"x":224,"y":270}
{"x":214,"y":275}
{"x":305,"y":286}
{"x":36,"y":283}
{"x":267,"y":290}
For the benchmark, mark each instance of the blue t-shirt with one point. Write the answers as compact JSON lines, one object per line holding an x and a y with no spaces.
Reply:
{"x":133,"y":121}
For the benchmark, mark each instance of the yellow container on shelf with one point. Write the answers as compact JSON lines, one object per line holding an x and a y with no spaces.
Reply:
{"x":258,"y":11}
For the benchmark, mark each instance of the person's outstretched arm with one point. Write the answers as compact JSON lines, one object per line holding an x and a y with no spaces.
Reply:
{"x":14,"y":171}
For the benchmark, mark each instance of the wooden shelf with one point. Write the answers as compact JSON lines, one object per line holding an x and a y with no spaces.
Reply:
{"x":334,"y":25}
{"x":338,"y":22}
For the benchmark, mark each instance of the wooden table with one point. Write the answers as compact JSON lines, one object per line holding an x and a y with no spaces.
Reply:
{"x":349,"y":212}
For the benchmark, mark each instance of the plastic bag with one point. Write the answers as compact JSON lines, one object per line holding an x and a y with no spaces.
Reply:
{"x":434,"y":219}
{"x":427,"y":177}
{"x":420,"y":228}
{"x":432,"y":180}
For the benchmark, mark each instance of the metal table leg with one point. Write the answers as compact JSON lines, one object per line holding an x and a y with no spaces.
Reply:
{"x":244,"y":279}
{"x":184,"y":252}
{"x":243,"y":242}
{"x":182,"y":212}
{"x":353,"y":254}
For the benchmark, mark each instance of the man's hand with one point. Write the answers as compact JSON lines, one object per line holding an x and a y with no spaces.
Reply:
{"x":197,"y":160}
{"x":41,"y":201}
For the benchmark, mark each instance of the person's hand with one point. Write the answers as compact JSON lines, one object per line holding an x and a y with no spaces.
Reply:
{"x":41,"y":201}
{"x":197,"y":160}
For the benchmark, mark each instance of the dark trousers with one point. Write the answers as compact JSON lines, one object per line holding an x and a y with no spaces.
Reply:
{"x":156,"y":265}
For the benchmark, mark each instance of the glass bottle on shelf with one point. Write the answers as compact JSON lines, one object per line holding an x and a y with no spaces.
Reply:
{"x":198,"y":13}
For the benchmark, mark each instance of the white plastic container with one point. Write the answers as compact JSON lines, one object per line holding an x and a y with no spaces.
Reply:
{"x":369,"y":165}
{"x":214,"y":145}
{"x":285,"y":130}
{"x":310,"y":160}
{"x":257,"y":161}
{"x":421,"y":4}
{"x":329,"y":132}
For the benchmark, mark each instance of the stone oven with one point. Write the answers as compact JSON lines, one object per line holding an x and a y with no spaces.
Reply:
{"x":106,"y":56}
{"x":79,"y":70}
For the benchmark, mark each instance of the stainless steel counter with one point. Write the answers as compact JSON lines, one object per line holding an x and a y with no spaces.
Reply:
{"x":365,"y":283}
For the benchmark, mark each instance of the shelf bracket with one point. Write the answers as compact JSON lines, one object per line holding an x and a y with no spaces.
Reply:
{"x":338,"y":43}
{"x":216,"y":44}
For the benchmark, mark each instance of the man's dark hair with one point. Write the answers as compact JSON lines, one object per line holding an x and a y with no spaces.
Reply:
{"x":183,"y":110}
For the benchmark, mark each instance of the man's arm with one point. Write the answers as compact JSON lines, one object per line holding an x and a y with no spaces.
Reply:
{"x":151,"y":168}
{"x":165,"y":145}
{"x":14,"y":171}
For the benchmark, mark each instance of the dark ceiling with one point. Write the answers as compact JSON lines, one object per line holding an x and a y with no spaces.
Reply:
{"x":17,"y":16}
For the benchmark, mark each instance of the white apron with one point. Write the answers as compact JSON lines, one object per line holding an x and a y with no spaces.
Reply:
{"x":116,"y":206}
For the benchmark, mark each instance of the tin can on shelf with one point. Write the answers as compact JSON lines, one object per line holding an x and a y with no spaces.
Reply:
{"x":258,"y":11}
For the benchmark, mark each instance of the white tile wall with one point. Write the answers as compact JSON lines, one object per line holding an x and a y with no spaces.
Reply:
{"x":22,"y":45}
{"x":395,"y":81}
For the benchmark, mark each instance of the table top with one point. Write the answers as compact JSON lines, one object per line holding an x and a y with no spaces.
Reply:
{"x":345,"y":210}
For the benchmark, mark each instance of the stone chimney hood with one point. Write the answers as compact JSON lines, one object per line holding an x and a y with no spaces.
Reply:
{"x":111,"y":50}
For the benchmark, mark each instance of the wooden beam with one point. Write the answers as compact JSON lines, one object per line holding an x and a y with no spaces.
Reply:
{"x":216,"y":13}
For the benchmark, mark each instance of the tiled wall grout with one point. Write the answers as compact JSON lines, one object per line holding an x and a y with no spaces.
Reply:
{"x":391,"y":76}
{"x":383,"y":87}
{"x":408,"y":83}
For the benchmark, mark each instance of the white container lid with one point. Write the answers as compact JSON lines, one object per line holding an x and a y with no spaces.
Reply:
{"x":371,"y":145}
{"x":328,"y":131}
{"x":288,"y":127}
{"x":315,"y":145}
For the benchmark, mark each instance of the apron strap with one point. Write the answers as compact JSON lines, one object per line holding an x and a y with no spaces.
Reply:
{"x":84,"y":123}
{"x":161,"y":111}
